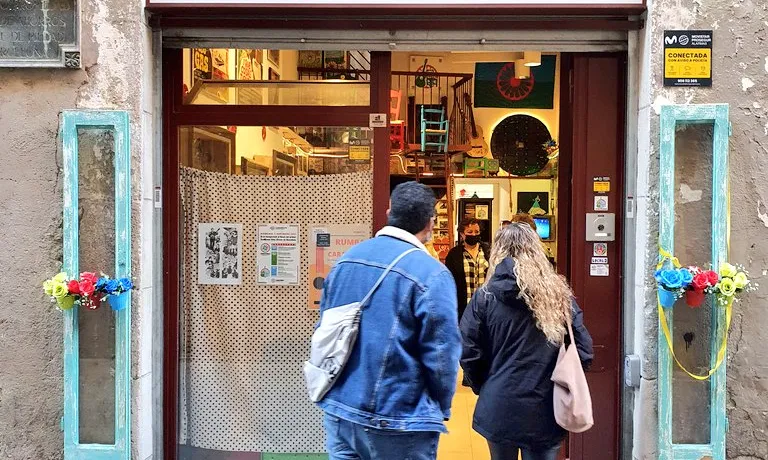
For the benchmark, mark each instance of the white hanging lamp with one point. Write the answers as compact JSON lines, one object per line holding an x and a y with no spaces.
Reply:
{"x":521,"y":70}
{"x":532,"y":58}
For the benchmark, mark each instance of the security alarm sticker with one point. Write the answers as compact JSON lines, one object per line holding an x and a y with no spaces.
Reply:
{"x":601,"y":203}
{"x":600,"y":249}
{"x":687,"y":58}
{"x":601,"y":184}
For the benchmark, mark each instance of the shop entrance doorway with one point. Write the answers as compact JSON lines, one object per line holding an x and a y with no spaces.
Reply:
{"x":298,"y":152}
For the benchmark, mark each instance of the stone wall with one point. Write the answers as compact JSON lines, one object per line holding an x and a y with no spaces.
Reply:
{"x":117,"y":74}
{"x":740,"y":73}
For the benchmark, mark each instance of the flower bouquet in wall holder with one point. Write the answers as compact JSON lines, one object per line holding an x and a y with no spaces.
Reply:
{"x":734,"y":280}
{"x":67,"y":293}
{"x":704,"y":282}
{"x":90,"y":291}
{"x":672,"y":284}
{"x":115,"y":291}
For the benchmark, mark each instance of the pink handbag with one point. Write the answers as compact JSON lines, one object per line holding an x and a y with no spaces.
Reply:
{"x":572,"y":402}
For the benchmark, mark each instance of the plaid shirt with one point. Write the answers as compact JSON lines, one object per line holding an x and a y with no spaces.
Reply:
{"x":475,"y":270}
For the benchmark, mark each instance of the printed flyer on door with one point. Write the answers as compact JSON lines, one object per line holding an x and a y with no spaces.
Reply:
{"x":326,"y":244}
{"x":279,"y":254}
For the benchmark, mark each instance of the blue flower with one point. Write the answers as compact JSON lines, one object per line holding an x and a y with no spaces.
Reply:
{"x":670,"y":279}
{"x":687,"y":277}
{"x":101,"y":283}
{"x":111,"y":286}
{"x":125,"y":284}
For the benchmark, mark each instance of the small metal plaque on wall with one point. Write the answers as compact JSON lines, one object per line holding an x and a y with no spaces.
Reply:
{"x":39,"y":33}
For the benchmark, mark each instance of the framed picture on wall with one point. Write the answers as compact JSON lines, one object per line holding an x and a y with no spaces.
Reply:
{"x":247,"y":68}
{"x":302,"y":165}
{"x":311,"y":59}
{"x":208,"y":148}
{"x":533,"y":203}
{"x":282,"y":164}
{"x":481,"y":212}
{"x":336,"y":60}
{"x":249,"y":168}
{"x":274,"y":57}
{"x":211,"y":64}
{"x":273,"y":75}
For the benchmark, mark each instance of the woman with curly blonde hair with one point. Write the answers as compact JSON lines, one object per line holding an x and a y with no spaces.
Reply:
{"x":512,"y":331}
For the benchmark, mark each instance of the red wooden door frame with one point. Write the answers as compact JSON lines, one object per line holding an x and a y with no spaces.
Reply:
{"x":585,"y":100}
{"x":176,"y":114}
{"x":592,"y":140}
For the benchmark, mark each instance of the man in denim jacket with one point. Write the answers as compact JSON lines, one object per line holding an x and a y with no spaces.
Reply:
{"x":395,"y":392}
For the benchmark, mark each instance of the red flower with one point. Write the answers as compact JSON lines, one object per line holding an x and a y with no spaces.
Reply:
{"x":74,"y":287}
{"x":700,"y":282}
{"x":89,"y":276}
{"x":87,"y":287}
{"x":712,"y":277}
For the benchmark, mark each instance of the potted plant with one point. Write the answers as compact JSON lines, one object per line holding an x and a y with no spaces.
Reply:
{"x":67,"y":293}
{"x":734,"y":280}
{"x":671,"y":284}
{"x":115,"y":291}
{"x":703,"y":283}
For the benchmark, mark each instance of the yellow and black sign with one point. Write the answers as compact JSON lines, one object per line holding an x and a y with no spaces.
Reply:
{"x":359,"y":150}
{"x":688,"y":58}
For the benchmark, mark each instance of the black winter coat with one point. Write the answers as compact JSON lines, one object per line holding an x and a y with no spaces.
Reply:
{"x":509,"y":363}
{"x":454,"y":261}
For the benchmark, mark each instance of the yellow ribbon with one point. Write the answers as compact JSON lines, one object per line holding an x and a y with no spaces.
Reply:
{"x":665,"y":324}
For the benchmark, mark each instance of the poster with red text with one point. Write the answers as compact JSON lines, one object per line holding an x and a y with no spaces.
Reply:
{"x":327,"y":243}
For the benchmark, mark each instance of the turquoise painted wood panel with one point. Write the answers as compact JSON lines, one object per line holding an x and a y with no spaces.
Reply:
{"x":673,"y":116}
{"x":118,"y":122}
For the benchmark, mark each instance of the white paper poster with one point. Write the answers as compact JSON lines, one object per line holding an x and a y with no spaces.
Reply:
{"x":326,"y":244}
{"x":278,"y":254}
{"x":599,"y":270}
{"x":219,"y":253}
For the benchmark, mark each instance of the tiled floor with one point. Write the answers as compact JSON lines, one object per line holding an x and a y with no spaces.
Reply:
{"x":461,"y":442}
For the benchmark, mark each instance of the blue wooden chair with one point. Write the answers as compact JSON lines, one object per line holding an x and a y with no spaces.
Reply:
{"x":434,"y":129}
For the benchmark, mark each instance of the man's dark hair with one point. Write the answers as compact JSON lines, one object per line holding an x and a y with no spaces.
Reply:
{"x":413,"y":205}
{"x":467,"y":222}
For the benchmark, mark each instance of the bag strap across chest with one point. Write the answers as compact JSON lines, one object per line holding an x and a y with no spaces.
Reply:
{"x":367,"y":298}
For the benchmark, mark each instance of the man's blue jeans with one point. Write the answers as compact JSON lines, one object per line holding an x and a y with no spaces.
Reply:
{"x":350,"y":441}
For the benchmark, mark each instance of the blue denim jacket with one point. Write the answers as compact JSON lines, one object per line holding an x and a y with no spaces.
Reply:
{"x":401,"y":374}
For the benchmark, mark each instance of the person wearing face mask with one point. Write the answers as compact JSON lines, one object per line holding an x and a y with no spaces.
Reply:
{"x":468,"y":262}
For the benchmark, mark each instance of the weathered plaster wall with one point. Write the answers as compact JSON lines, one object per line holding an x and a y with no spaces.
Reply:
{"x":117,"y":74}
{"x":741,"y":80}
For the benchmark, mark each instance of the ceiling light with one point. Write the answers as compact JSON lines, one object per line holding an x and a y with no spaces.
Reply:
{"x":521,"y":71}
{"x":532,"y":58}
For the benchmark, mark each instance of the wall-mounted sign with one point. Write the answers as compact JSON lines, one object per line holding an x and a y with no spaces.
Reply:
{"x":326,"y":244}
{"x":359,"y":151}
{"x":688,"y":58}
{"x":279,"y":254}
{"x":43,"y":33}
{"x":601,"y":184}
{"x":599,"y":270}
{"x":377,"y":120}
{"x":601,"y":203}
{"x":600,"y":249}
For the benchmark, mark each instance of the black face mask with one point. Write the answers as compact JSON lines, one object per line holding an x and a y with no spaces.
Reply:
{"x":472,"y":239}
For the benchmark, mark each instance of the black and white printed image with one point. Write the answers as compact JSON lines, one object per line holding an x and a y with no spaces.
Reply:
{"x":220,"y":249}
{"x":230,"y":253}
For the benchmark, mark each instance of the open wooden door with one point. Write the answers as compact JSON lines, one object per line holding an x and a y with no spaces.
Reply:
{"x":592,"y":146}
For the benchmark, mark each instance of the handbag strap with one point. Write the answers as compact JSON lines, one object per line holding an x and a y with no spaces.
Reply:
{"x":384,"y":275}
